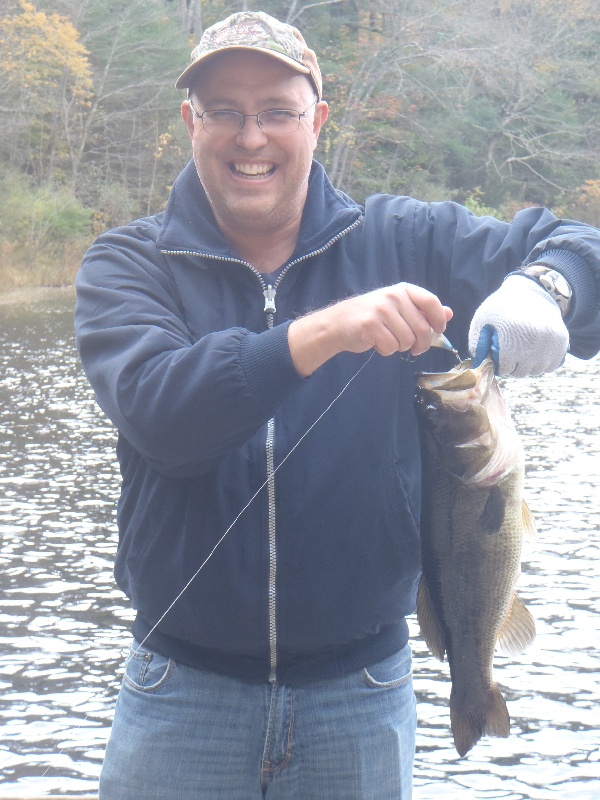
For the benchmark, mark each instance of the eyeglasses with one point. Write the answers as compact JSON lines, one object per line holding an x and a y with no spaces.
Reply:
{"x":275,"y":121}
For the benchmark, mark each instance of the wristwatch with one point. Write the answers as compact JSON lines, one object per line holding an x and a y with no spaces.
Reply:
{"x":553,"y":282}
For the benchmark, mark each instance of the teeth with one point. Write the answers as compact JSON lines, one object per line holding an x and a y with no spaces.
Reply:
{"x":253,"y":169}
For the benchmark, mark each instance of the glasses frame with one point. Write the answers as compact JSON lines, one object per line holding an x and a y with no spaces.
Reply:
{"x":244,"y":117}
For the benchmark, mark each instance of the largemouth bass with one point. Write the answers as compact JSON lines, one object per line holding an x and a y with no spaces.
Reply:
{"x":472,"y":527}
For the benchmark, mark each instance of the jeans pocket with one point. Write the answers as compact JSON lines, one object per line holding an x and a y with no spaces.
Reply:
{"x":392,"y":672}
{"x":146,"y":670}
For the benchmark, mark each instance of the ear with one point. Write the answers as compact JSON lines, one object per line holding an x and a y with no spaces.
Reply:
{"x":320,"y":117}
{"x":188,"y":117}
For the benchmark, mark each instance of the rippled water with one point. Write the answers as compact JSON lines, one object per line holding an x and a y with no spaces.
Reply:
{"x":63,"y":624}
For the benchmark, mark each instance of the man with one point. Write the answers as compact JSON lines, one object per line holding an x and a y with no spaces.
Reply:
{"x":271,"y":563}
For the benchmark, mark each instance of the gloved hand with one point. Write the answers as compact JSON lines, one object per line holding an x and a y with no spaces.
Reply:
{"x":521,"y":327}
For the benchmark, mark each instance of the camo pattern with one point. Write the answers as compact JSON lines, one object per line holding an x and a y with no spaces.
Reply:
{"x":252,"y":29}
{"x":260,"y":31}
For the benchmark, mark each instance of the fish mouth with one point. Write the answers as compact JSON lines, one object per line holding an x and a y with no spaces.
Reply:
{"x":464,"y":376}
{"x":464,"y":411}
{"x":456,"y":388}
{"x":251,"y":170}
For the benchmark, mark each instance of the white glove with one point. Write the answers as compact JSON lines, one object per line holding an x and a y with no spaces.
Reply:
{"x":522,"y":328}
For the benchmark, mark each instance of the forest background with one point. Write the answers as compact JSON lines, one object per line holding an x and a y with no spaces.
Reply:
{"x":492,"y":103}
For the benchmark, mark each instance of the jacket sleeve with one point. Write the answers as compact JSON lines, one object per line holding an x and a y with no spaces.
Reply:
{"x":468,"y":257}
{"x":181,"y":404}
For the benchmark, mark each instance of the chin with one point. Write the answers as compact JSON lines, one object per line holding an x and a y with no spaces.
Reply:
{"x":254,"y":212}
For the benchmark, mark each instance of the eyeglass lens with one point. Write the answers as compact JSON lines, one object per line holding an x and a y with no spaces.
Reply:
{"x":275,"y":121}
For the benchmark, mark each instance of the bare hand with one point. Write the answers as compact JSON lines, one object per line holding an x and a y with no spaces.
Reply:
{"x":393,"y":319}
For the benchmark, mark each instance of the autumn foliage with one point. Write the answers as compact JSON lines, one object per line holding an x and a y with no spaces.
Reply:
{"x":494,"y":103}
{"x":41,"y":53}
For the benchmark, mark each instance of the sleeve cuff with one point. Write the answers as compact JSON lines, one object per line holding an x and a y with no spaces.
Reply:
{"x":268,"y":367}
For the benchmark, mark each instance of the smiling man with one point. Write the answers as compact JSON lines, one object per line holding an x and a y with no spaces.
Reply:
{"x":272,"y":566}
{"x":254,"y":168}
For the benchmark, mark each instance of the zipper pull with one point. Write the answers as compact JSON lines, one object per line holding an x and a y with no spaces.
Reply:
{"x":269,"y":294}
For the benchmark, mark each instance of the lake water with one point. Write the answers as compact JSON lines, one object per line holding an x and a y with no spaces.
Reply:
{"x":64,"y":625}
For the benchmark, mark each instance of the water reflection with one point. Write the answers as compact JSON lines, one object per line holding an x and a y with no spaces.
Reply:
{"x":63,"y":624}
{"x":61,"y":619}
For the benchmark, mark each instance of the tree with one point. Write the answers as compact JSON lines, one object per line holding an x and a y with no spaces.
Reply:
{"x":383,"y":79}
{"x":496,"y":100}
{"x":525,"y":88}
{"x":500,"y":97}
{"x":136,"y":51}
{"x":46,"y":84}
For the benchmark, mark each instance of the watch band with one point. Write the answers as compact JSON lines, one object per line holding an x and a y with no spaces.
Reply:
{"x":553,"y":282}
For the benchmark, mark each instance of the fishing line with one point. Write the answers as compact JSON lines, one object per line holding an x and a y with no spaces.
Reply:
{"x":249,"y":503}
{"x":219,"y":542}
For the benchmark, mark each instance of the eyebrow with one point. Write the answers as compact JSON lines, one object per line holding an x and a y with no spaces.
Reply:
{"x":274,"y":102}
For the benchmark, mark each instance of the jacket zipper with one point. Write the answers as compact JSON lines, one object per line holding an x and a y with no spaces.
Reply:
{"x":270,"y":445}
{"x":269,"y":293}
{"x":269,"y":290}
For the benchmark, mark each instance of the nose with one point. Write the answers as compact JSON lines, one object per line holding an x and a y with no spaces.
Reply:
{"x":251,"y":136}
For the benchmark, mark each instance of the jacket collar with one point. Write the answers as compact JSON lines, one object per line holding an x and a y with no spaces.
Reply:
{"x":189,"y":225}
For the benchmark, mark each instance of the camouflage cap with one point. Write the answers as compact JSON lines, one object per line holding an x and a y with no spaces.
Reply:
{"x":254,"y":30}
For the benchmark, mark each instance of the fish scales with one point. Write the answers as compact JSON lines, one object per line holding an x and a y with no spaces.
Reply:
{"x":472,"y":526}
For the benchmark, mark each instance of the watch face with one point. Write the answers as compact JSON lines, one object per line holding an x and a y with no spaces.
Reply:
{"x":556,"y":284}
{"x":561,"y":285}
{"x":558,"y":289}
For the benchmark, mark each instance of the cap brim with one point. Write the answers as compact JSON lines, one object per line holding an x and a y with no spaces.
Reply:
{"x":187,"y":77}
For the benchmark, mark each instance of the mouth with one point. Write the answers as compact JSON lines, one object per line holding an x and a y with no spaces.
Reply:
{"x":252,"y":171}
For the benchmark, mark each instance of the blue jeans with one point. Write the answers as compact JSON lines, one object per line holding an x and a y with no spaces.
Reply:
{"x":181,"y":733}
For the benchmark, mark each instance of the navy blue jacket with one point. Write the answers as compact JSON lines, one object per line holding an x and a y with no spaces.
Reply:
{"x":318,"y":568}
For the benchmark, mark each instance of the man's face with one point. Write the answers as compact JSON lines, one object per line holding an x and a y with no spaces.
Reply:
{"x":254,"y":182}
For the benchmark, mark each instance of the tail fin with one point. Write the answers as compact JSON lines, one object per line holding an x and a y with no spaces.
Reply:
{"x":469,"y":725}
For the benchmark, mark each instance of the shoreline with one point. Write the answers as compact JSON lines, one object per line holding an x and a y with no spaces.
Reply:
{"x":29,"y":294}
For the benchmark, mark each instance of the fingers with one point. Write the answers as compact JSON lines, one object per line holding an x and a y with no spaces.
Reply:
{"x":424,"y":314}
{"x":393,"y":319}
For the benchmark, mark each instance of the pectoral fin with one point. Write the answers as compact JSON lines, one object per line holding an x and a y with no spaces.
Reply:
{"x":518,"y":630}
{"x":493,"y":513}
{"x":431,"y":629}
